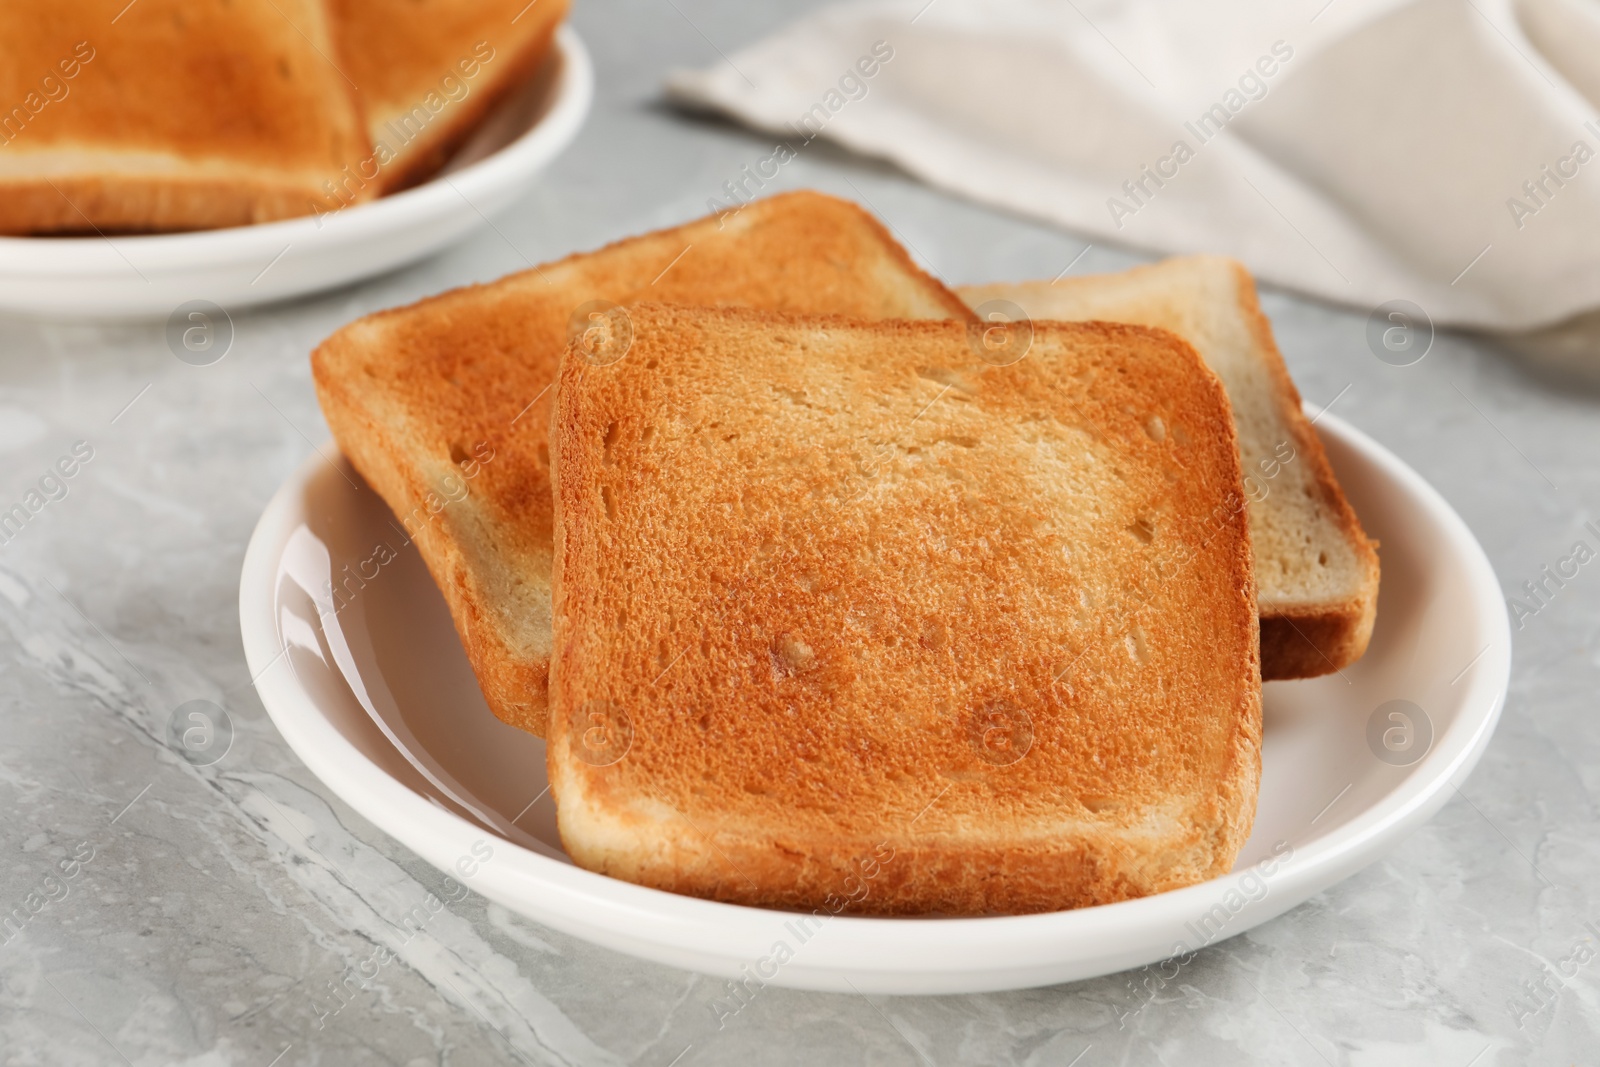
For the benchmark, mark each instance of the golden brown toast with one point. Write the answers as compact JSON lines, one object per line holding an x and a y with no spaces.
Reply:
{"x":169,"y":114}
{"x":428,"y":71}
{"x":848,"y":618}
{"x":1316,"y":571}
{"x":420,"y":397}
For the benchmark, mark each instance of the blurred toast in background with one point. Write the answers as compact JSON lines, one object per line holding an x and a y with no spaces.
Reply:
{"x":1316,"y":571}
{"x":428,"y":71}
{"x":449,"y":399}
{"x":169,"y":114}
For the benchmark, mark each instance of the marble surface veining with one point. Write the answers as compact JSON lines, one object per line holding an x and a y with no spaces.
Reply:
{"x":206,"y":915}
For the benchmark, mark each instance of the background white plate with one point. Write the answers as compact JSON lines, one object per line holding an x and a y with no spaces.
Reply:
{"x":143,"y":276}
{"x":378,"y":700}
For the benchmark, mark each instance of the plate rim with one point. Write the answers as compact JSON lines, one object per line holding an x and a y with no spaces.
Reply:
{"x":969,"y":954}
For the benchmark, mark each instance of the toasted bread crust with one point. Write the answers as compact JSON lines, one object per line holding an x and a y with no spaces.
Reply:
{"x":1301,"y":638}
{"x":176,"y":114}
{"x":1307,"y":641}
{"x":778,"y":637}
{"x":87,"y":204}
{"x":421,"y":491}
{"x":403,"y":388}
{"x":399,"y":53}
{"x":1317,"y":641}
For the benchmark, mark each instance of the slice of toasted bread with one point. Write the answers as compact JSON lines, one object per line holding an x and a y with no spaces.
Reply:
{"x":169,"y":114}
{"x":429,"y":70}
{"x":1316,"y":571}
{"x":846,"y":617}
{"x":449,"y":399}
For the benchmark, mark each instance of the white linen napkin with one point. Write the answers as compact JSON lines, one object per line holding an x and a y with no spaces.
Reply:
{"x":1445,"y":152}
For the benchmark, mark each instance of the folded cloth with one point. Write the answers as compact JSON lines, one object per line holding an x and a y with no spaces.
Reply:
{"x":1444,"y":152}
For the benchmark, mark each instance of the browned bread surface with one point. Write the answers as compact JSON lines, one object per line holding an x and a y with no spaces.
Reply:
{"x":417,"y":396}
{"x":169,"y":114}
{"x":429,"y":70}
{"x":1316,"y":570}
{"x":847,"y":617}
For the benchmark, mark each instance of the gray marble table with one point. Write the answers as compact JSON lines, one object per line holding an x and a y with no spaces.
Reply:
{"x":194,"y":929}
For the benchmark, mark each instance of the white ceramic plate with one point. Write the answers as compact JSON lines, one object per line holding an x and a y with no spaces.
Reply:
{"x":379,"y":701}
{"x":147,"y":276}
